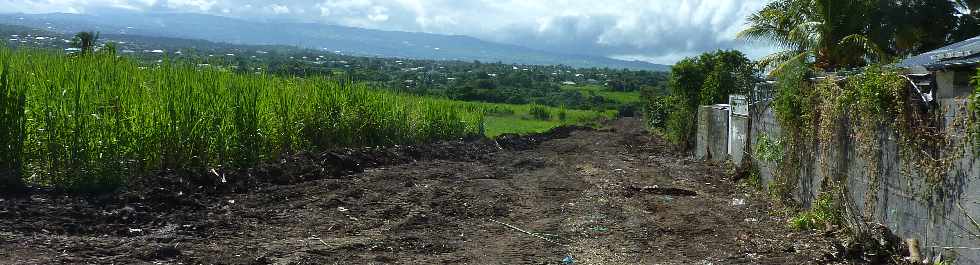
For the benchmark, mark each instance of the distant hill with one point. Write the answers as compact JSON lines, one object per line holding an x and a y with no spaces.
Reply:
{"x":348,"y":40}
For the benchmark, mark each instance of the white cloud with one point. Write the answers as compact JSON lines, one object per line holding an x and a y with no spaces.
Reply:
{"x":657,"y":30}
{"x":279,"y":9}
{"x":193,"y":5}
{"x":378,"y":14}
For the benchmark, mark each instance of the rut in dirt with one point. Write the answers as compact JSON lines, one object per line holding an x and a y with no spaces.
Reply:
{"x":614,"y":195}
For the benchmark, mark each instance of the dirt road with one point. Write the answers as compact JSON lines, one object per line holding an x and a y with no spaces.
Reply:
{"x":608,"y":196}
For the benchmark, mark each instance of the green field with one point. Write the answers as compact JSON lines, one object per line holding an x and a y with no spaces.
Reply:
{"x":85,"y":122}
{"x":93,"y":121}
{"x":617,"y":96}
{"x":523,"y":122}
{"x":510,"y":118}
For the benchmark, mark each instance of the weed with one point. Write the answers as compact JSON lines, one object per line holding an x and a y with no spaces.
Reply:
{"x":821,"y":215}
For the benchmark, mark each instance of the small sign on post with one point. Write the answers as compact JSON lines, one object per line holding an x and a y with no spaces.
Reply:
{"x":740,"y":105}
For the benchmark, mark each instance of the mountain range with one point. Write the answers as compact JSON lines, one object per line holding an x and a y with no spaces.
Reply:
{"x":346,"y":40}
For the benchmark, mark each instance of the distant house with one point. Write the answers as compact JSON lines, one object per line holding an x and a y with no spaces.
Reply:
{"x":945,"y":72}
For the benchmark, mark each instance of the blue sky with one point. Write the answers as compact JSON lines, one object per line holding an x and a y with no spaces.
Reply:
{"x":660,"y":31}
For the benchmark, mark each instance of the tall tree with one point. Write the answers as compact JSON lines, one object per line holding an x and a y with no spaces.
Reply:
{"x":836,"y":34}
{"x":703,"y":80}
{"x":85,"y":41}
{"x":832,"y":34}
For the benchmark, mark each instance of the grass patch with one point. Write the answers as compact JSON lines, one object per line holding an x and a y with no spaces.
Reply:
{"x":823,"y":214}
{"x":617,"y":96}
{"x":522,"y":119}
{"x":501,"y":125}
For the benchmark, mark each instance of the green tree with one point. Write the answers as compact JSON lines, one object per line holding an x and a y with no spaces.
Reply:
{"x":703,"y":80}
{"x":839,"y":34}
{"x":85,"y":41}
{"x":832,"y":34}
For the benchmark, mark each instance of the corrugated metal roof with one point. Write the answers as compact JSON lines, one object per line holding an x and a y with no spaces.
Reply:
{"x":955,"y":62}
{"x":962,"y":53}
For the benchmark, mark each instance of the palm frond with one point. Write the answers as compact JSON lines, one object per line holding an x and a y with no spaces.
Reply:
{"x":807,"y":35}
{"x":778,"y":61}
{"x":865,"y":44}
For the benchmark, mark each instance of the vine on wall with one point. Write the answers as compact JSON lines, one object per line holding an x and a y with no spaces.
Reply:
{"x":873,"y":99}
{"x":973,"y":110}
{"x":793,"y":97}
{"x":833,"y":113}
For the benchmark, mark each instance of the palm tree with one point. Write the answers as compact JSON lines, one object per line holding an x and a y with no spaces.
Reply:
{"x":830,"y":34}
{"x":85,"y":41}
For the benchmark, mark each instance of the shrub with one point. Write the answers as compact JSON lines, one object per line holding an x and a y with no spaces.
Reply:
{"x":823,"y":214}
{"x":540,"y":113}
{"x":704,"y":80}
{"x":626,"y":110}
{"x":657,"y":110}
{"x":562,"y":114}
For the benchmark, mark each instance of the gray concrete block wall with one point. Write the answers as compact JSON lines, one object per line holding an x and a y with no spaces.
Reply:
{"x":712,"y":134}
{"x":738,"y":137}
{"x":764,"y":124}
{"x":900,"y":205}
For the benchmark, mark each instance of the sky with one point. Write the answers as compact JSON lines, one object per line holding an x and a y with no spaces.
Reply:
{"x":659,"y":31}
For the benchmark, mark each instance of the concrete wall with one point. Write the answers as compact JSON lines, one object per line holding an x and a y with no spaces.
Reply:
{"x":738,"y":137}
{"x":954,"y":83}
{"x":901,"y":204}
{"x":712,"y":135}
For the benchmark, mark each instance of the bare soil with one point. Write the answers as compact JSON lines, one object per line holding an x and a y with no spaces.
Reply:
{"x":573,"y":195}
